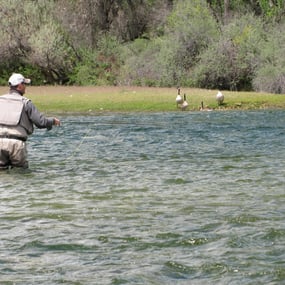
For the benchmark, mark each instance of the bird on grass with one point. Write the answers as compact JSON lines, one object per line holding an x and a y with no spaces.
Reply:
{"x":220,"y":98}
{"x":202,"y":108}
{"x":179,"y":99}
{"x":185,"y":104}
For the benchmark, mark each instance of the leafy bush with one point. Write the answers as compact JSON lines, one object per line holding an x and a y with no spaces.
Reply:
{"x":230,"y":62}
{"x":270,"y":74}
{"x":197,"y":43}
{"x":34,"y":38}
{"x":191,"y":28}
{"x":139,"y":66}
{"x":98,"y":67}
{"x":26,"y":69}
{"x":166,"y":60}
{"x":270,"y":79}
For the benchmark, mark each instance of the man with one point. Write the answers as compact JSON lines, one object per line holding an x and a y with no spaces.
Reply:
{"x":18,"y":115}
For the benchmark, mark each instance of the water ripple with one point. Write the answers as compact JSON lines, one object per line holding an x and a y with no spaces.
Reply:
{"x":160,"y":198}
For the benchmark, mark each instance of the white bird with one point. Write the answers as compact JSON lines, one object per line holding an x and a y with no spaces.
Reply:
{"x":184,"y":104}
{"x":179,"y":99}
{"x":220,"y":98}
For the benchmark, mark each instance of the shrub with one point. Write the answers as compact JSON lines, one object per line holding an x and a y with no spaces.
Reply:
{"x":270,"y":74}
{"x":140,"y":66}
{"x":191,"y":28}
{"x":230,"y":62}
{"x":98,"y":67}
{"x":166,"y":60}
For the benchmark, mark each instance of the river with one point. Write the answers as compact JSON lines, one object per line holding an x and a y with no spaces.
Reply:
{"x":148,"y":198}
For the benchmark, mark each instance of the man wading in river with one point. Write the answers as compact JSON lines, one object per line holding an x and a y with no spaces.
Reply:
{"x":18,"y":115}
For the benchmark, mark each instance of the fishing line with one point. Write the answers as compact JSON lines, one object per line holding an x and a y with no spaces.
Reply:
{"x":149,"y":124}
{"x":92,"y":124}
{"x":78,"y":146}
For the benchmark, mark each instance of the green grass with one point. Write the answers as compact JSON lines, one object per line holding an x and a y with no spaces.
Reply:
{"x":62,"y":99}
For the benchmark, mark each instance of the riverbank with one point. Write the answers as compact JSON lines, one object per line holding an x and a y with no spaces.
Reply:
{"x":74,"y":99}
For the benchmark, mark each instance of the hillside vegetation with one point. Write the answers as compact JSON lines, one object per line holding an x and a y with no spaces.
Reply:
{"x":232,"y":45}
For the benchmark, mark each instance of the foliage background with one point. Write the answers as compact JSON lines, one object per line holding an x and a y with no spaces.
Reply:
{"x":218,"y":44}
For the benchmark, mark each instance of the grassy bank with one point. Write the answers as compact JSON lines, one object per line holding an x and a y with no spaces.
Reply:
{"x":61,"y":99}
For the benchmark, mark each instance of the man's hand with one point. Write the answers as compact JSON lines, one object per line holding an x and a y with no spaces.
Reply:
{"x":56,"y":121}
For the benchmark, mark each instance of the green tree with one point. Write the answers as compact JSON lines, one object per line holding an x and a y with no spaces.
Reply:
{"x":168,"y":59}
{"x":100,"y":66}
{"x":272,"y":9}
{"x":270,"y":73}
{"x":231,"y":61}
{"x":86,"y":21}
{"x":31,"y":36}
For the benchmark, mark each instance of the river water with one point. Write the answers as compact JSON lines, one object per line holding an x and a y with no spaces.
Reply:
{"x":148,"y":198}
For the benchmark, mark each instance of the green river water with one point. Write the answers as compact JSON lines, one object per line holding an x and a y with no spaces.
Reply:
{"x":148,"y":198}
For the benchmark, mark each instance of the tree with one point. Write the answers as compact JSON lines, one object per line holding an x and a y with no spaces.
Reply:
{"x":124,"y":19}
{"x":270,"y":72}
{"x":207,"y":43}
{"x":231,"y":61}
{"x":33,"y":37}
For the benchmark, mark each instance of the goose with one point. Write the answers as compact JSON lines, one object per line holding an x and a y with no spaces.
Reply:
{"x":202,"y":108}
{"x":220,"y":98}
{"x":184,"y":104}
{"x":179,"y":99}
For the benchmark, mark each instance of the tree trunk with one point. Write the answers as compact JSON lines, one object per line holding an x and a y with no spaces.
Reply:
{"x":226,"y":10}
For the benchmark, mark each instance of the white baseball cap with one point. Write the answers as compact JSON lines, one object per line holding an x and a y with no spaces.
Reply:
{"x":17,"y":78}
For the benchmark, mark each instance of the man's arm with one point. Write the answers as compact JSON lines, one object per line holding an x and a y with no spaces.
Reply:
{"x":38,"y":119}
